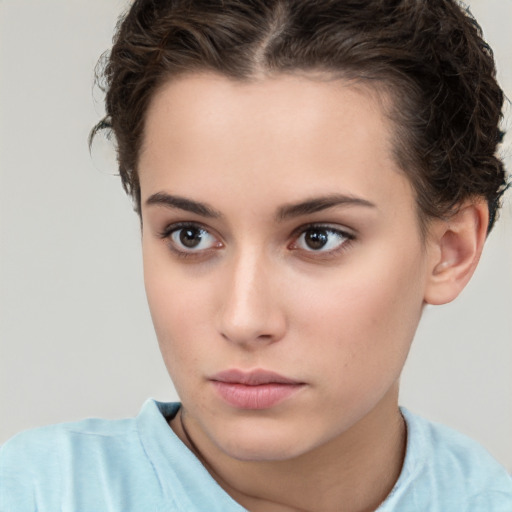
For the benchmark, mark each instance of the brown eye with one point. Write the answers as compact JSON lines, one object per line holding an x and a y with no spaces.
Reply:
{"x":321,"y":239}
{"x":316,"y":239}
{"x":192,"y":239}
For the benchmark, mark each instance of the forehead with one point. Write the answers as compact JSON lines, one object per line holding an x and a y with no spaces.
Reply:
{"x":274,"y":136}
{"x":281,"y":105}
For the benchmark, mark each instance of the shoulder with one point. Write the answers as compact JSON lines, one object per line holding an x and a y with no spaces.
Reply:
{"x":120,"y":466}
{"x":96,"y":464}
{"x":50,"y":443}
{"x":444,"y":468}
{"x":37,"y":466}
{"x":449,"y":450}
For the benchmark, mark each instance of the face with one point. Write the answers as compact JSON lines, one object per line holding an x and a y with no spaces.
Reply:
{"x":283,"y":260}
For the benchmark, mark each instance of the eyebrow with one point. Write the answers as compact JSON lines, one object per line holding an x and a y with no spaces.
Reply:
{"x":288,"y":211}
{"x":182,"y":203}
{"x":317,"y":204}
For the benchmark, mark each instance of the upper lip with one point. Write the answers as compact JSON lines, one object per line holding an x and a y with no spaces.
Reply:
{"x":252,"y":378}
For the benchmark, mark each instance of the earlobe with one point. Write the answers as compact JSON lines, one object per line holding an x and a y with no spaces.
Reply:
{"x":455,"y":246}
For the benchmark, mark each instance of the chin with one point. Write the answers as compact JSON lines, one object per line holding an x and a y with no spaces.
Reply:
{"x":260,"y":444}
{"x":260,"y":452}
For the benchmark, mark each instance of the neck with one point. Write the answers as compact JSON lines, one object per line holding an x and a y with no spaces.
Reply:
{"x":352,"y":473}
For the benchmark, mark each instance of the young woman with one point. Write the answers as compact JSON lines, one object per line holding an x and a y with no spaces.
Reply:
{"x":308,"y":175}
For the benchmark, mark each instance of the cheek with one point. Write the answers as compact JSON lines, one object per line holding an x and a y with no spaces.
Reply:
{"x":177,"y":305}
{"x":179,"y":316}
{"x":363,"y":319}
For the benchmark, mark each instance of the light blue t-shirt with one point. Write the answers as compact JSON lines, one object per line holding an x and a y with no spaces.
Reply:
{"x":140,"y":465}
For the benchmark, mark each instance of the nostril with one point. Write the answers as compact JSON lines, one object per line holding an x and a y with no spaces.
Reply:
{"x":252,"y":334}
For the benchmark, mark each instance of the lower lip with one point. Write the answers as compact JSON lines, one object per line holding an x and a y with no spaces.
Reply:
{"x":263,"y":396}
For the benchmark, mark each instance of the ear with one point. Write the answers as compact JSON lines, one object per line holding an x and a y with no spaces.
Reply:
{"x":454,"y":249}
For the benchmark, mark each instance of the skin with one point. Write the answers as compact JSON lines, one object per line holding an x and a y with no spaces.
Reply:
{"x":254,"y":295}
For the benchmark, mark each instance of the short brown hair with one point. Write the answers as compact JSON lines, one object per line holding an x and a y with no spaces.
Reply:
{"x":429,"y":54}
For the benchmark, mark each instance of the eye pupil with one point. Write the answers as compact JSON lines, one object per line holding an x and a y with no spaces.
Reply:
{"x":316,"y":239}
{"x":190,"y":237}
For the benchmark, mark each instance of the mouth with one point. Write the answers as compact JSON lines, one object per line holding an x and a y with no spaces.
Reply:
{"x":256,"y":390}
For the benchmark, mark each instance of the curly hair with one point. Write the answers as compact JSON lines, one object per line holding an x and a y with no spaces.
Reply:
{"x":429,"y":55}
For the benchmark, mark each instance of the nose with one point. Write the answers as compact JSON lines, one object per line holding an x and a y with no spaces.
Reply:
{"x":251,"y":313}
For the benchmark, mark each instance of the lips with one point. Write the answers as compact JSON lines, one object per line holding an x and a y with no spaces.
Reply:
{"x":258,"y":389}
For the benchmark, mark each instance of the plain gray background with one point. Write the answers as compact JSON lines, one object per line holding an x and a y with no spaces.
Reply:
{"x":76,"y":336}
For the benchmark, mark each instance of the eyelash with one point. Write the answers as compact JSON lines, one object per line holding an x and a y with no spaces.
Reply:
{"x":170,"y":230}
{"x":343,"y":246}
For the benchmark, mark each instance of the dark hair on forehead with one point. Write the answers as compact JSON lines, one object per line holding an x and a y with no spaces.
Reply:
{"x":428,"y":55}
